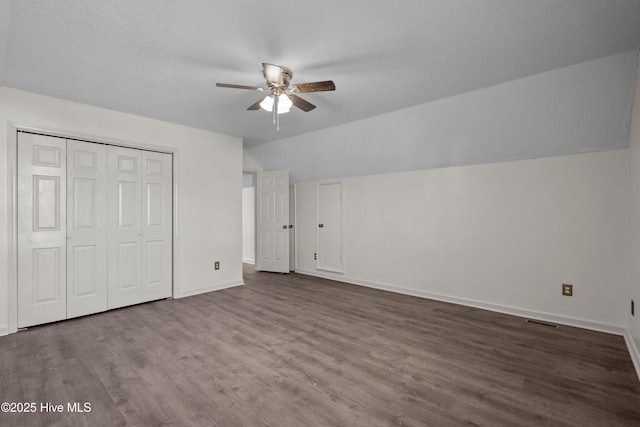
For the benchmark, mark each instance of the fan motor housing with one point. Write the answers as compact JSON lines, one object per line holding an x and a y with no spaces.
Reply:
{"x":277,"y":75}
{"x":287,"y":74}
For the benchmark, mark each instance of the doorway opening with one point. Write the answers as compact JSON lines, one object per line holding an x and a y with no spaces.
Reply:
{"x":250,"y":209}
{"x":249,"y":217}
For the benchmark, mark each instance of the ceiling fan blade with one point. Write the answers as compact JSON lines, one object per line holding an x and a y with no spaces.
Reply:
{"x":314,"y":87}
{"x":301,"y":103}
{"x":256,"y":105}
{"x":238,"y":86}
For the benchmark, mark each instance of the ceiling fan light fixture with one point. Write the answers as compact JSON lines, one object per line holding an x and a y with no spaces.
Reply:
{"x":284,"y":104}
{"x":279,"y":102}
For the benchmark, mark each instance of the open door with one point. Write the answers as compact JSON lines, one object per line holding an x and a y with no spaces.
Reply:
{"x":272,"y":221}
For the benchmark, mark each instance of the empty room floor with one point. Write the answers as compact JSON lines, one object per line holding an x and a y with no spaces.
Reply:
{"x":293,"y":350}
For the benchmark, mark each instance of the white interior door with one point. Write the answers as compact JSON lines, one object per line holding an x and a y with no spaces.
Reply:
{"x":86,"y":228}
{"x":330,"y":227}
{"x":124,"y":219}
{"x":272,"y":221}
{"x":42,"y":239}
{"x":157,"y":226}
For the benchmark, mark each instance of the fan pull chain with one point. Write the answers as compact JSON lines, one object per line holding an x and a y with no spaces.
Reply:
{"x":276,"y":117}
{"x":274,"y":108}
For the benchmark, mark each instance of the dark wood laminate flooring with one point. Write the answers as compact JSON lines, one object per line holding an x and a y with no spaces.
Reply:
{"x":293,"y":350}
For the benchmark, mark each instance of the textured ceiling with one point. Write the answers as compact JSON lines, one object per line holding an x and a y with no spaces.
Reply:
{"x":162,"y":58}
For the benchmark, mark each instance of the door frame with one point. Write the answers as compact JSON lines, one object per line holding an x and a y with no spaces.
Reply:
{"x":292,"y":228}
{"x":12,"y":198}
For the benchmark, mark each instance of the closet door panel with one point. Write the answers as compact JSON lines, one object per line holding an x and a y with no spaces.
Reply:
{"x":157,"y":225}
{"x":86,"y":228}
{"x":124,"y":219}
{"x":41,"y":229}
{"x":330,"y":227}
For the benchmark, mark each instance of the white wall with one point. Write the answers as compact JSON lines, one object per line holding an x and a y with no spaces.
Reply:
{"x":248,"y":179}
{"x":249,"y":225}
{"x":634,"y":227}
{"x":503,"y":236}
{"x":248,"y":163}
{"x":209,"y":173}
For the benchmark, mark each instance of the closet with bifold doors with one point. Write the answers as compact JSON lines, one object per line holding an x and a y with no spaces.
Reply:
{"x":94,"y":227}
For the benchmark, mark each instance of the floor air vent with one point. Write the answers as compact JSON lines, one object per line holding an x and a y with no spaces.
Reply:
{"x":541,"y":323}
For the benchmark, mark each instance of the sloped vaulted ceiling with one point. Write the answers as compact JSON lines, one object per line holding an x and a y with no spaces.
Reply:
{"x":581,"y":108}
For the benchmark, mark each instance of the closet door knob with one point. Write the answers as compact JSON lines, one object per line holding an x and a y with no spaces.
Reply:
{"x":321,"y":225}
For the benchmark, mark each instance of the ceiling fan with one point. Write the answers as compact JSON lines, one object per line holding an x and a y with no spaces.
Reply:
{"x":283,"y":96}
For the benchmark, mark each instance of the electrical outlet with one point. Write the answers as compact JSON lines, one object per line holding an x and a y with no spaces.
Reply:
{"x":315,"y":256}
{"x":567,"y":290}
{"x":216,"y":265}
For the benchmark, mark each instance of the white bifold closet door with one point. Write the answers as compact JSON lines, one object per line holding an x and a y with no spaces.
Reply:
{"x":86,"y":228}
{"x":42,"y":239}
{"x":140,"y":226}
{"x":157,"y":225}
{"x":94,"y":228}
{"x":125,"y":226}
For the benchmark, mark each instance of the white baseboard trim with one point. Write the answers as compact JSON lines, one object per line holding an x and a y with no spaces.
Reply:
{"x":515,"y":311}
{"x":248,"y":261}
{"x":633,"y":351}
{"x":209,"y":288}
{"x":4,"y":330}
